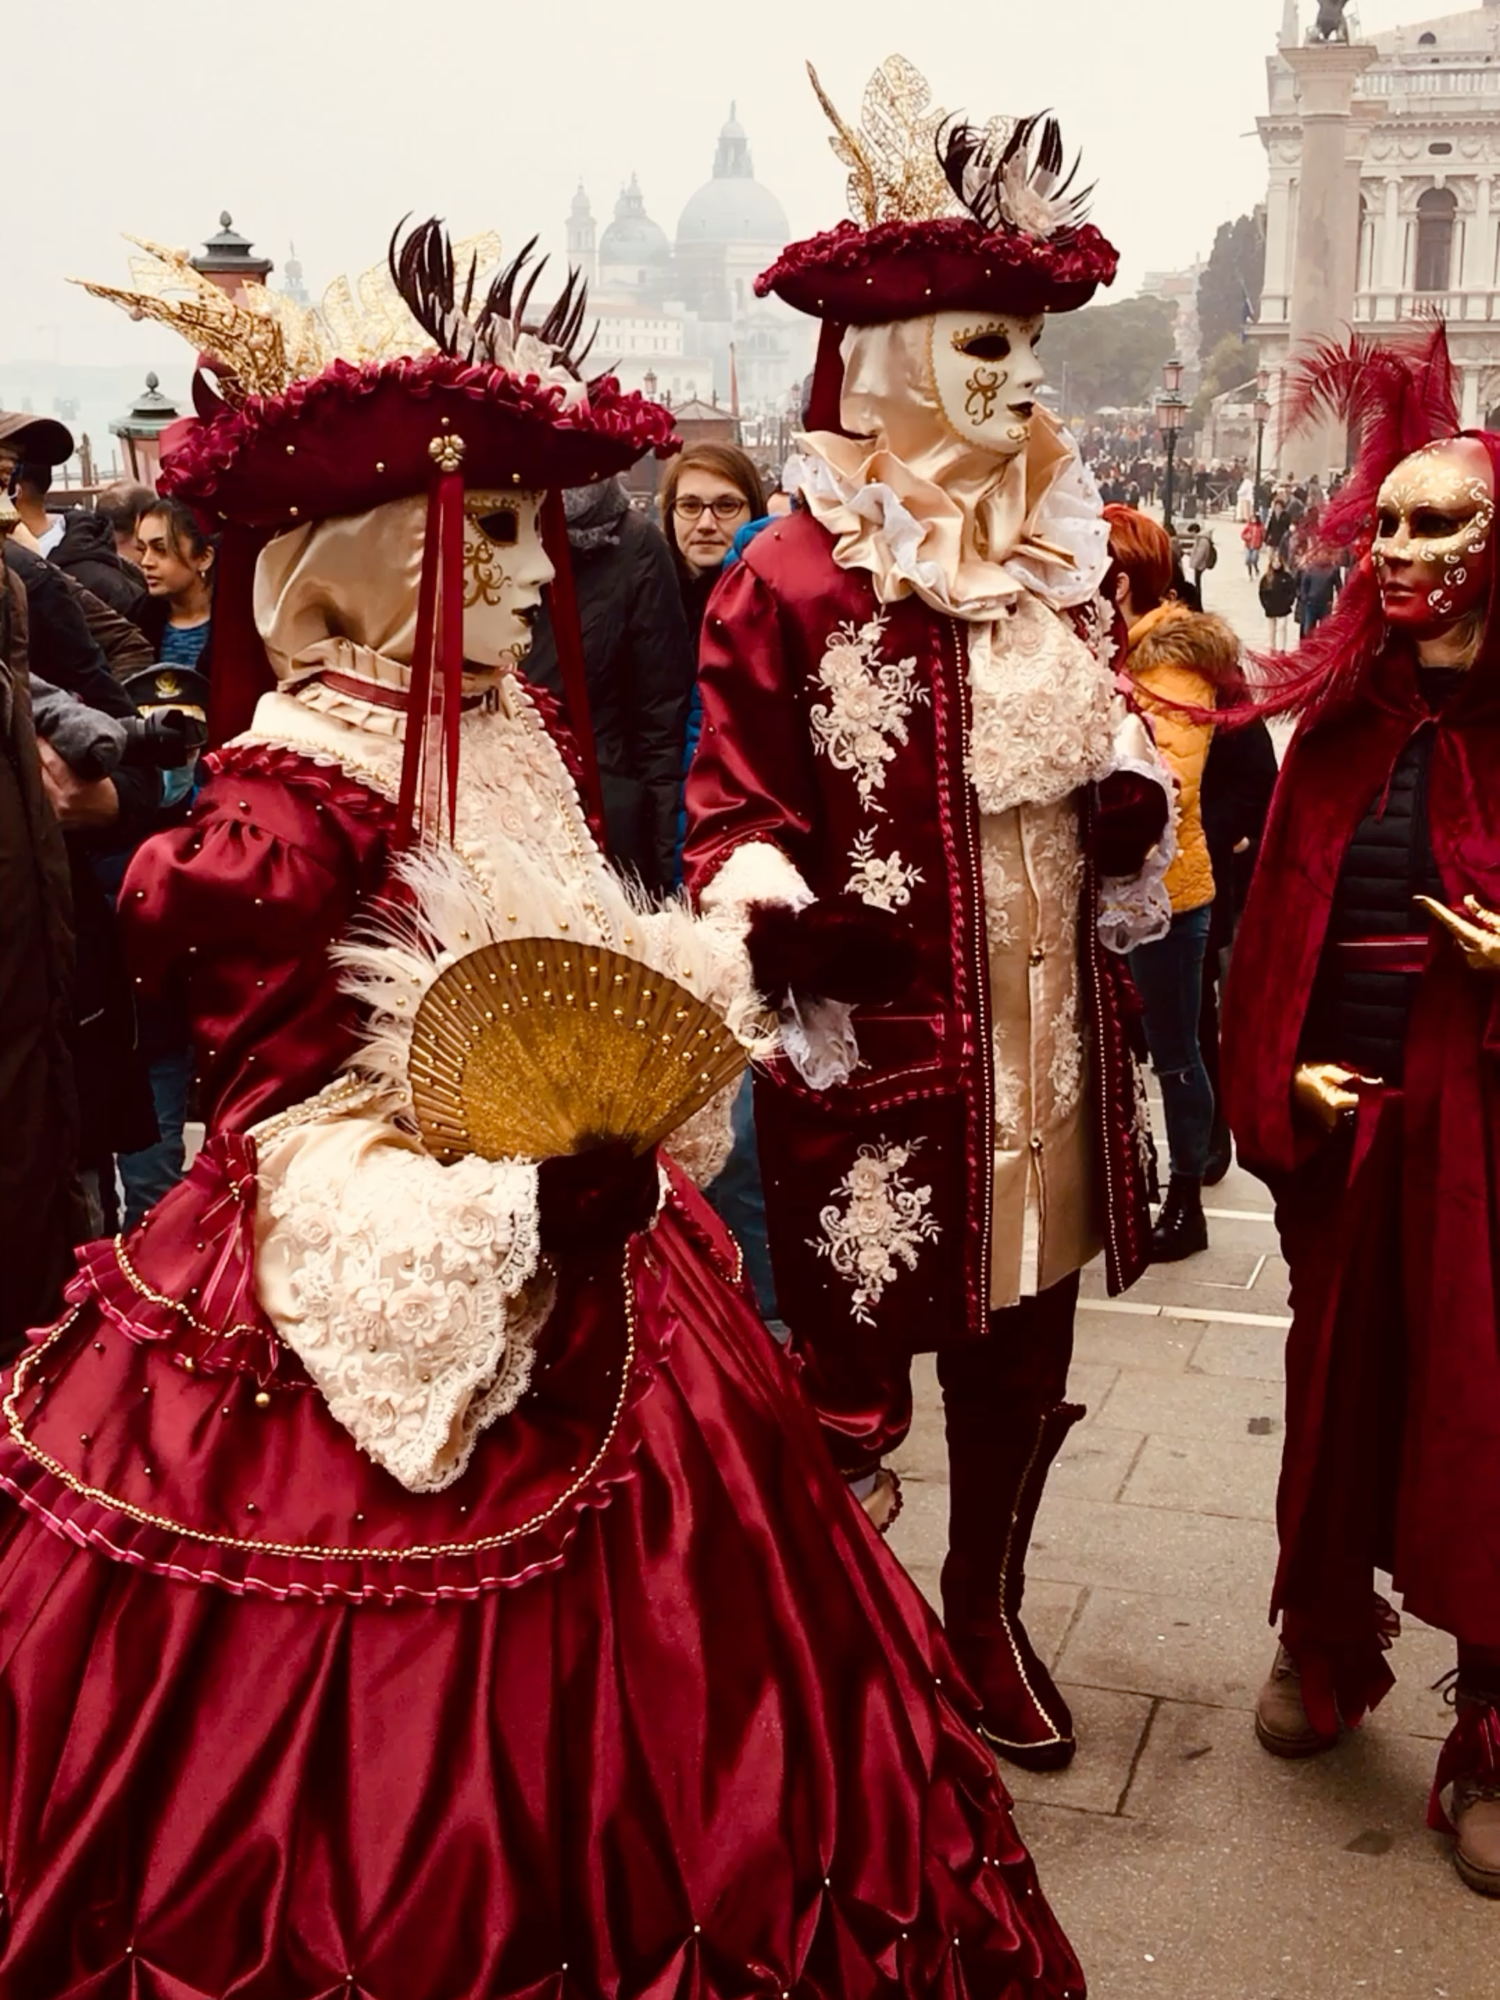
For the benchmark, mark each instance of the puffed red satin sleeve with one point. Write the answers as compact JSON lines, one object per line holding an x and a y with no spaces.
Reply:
{"x":752,"y":776}
{"x":234,"y":913}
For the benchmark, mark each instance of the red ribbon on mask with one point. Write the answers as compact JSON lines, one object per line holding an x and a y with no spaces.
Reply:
{"x":435,"y":701}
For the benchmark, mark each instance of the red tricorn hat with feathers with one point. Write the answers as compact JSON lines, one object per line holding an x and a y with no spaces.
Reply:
{"x":948,"y":216}
{"x":466,"y":392}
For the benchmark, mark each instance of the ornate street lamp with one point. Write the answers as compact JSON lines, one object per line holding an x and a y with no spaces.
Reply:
{"x":1262,"y":418}
{"x":648,"y":383}
{"x":140,"y":432}
{"x":1170,"y":411}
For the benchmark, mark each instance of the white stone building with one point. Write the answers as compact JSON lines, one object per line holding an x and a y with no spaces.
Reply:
{"x":683,"y":310}
{"x":1420,"y":210}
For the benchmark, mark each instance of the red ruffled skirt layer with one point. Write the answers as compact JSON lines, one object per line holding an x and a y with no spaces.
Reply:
{"x":707,"y":1742}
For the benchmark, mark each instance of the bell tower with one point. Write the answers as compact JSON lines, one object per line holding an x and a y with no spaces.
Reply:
{"x":583,"y":241}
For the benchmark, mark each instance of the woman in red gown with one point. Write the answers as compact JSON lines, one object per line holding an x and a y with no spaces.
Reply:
{"x":428,"y":1581}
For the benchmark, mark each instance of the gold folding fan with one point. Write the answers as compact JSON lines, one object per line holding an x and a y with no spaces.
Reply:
{"x":537,"y":1047}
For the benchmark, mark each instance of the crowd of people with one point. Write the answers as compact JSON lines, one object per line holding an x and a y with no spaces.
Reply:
{"x":644,"y":974}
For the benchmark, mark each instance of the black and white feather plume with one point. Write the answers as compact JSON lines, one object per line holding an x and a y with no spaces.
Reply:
{"x":1013,"y":177}
{"x":497,"y":330}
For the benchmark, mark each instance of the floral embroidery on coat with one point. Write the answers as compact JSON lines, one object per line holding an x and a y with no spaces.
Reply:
{"x":863,"y":722}
{"x":883,"y":1223}
{"x":883,"y":880}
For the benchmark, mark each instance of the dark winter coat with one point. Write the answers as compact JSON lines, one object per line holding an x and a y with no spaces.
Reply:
{"x":639,"y":665}
{"x":87,"y":551}
{"x":1317,"y":587}
{"x":113,"y":1090}
{"x":63,"y":651}
{"x":1278,"y":592}
{"x":1238,"y":781}
{"x":41,"y":1212}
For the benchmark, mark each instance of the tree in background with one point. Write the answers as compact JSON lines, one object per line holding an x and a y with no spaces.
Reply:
{"x":1231,"y":365}
{"x":1108,"y":355}
{"x":1230,"y":287}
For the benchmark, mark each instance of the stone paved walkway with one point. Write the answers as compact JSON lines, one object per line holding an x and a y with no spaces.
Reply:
{"x":1185,"y":1863}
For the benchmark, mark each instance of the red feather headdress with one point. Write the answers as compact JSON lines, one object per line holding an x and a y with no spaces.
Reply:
{"x":1395,"y":396}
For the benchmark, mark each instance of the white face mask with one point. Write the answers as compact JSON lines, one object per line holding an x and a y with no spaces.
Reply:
{"x":986,"y":374}
{"x":505,"y":568}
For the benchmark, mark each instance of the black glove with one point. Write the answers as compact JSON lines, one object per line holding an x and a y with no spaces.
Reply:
{"x":1130,"y":816}
{"x":839,"y":950}
{"x":590,"y":1202}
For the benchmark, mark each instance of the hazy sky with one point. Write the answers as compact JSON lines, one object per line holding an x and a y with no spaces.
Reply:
{"x":323,"y":121}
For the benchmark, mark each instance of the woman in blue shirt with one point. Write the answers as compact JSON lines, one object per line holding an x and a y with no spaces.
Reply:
{"x":177,"y":560}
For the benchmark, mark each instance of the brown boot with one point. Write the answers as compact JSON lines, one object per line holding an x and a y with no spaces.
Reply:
{"x":1476,"y":1821}
{"x":1280,"y":1719}
{"x":1470,"y":1763}
{"x":994,"y":1494}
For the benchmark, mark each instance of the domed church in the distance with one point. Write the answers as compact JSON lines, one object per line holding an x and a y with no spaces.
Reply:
{"x":674,"y":309}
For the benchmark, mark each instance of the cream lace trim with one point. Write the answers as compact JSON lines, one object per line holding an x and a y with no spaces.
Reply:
{"x":1044,"y":710}
{"x":409,"y":1290}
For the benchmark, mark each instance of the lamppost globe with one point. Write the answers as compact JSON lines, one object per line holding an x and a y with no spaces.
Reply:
{"x":140,"y":433}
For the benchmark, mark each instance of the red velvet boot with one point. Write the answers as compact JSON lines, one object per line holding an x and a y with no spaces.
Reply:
{"x":996,"y":1478}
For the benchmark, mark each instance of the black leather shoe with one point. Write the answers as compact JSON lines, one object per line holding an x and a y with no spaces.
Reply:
{"x":1181,"y":1230}
{"x":1220,"y":1155}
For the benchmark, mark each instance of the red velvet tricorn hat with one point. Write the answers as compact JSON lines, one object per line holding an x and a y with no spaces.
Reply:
{"x":460,"y":392}
{"x":948,"y":217}
{"x":355,"y":436}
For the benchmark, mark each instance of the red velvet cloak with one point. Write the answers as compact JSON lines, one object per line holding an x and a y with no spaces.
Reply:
{"x":1427,"y":1158}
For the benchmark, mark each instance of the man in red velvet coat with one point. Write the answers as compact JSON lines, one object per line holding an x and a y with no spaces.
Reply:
{"x":1361,"y":1032}
{"x":919,"y":785}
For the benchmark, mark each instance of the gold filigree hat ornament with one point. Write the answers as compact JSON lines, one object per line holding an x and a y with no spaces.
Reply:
{"x":262,"y":340}
{"x":946,"y":215}
{"x":538,"y":1047}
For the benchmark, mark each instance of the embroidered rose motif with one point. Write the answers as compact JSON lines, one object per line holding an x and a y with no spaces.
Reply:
{"x":883,"y":881}
{"x":882,"y":1225}
{"x":865,"y":719}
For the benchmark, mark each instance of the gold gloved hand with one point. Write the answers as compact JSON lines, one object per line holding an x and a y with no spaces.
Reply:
{"x":1477,"y":934}
{"x":1324,"y":1092}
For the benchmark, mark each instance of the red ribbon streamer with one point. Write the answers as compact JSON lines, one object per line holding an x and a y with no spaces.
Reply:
{"x":435,"y":700}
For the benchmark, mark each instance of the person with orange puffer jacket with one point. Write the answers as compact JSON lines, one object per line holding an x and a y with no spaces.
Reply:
{"x":1179,"y":659}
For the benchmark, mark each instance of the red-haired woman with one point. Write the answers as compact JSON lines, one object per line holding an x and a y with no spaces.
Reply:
{"x":1178,"y":659}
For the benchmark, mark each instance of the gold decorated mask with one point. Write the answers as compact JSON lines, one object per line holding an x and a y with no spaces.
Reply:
{"x":505,"y":567}
{"x":1432,"y":537}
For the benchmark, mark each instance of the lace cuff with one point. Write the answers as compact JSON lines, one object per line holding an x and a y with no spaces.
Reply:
{"x":1136,"y":909}
{"x":412,"y":1292}
{"x":817,"y":1038}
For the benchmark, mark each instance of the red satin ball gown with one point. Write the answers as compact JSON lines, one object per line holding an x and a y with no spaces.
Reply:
{"x":639,"y":1706}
